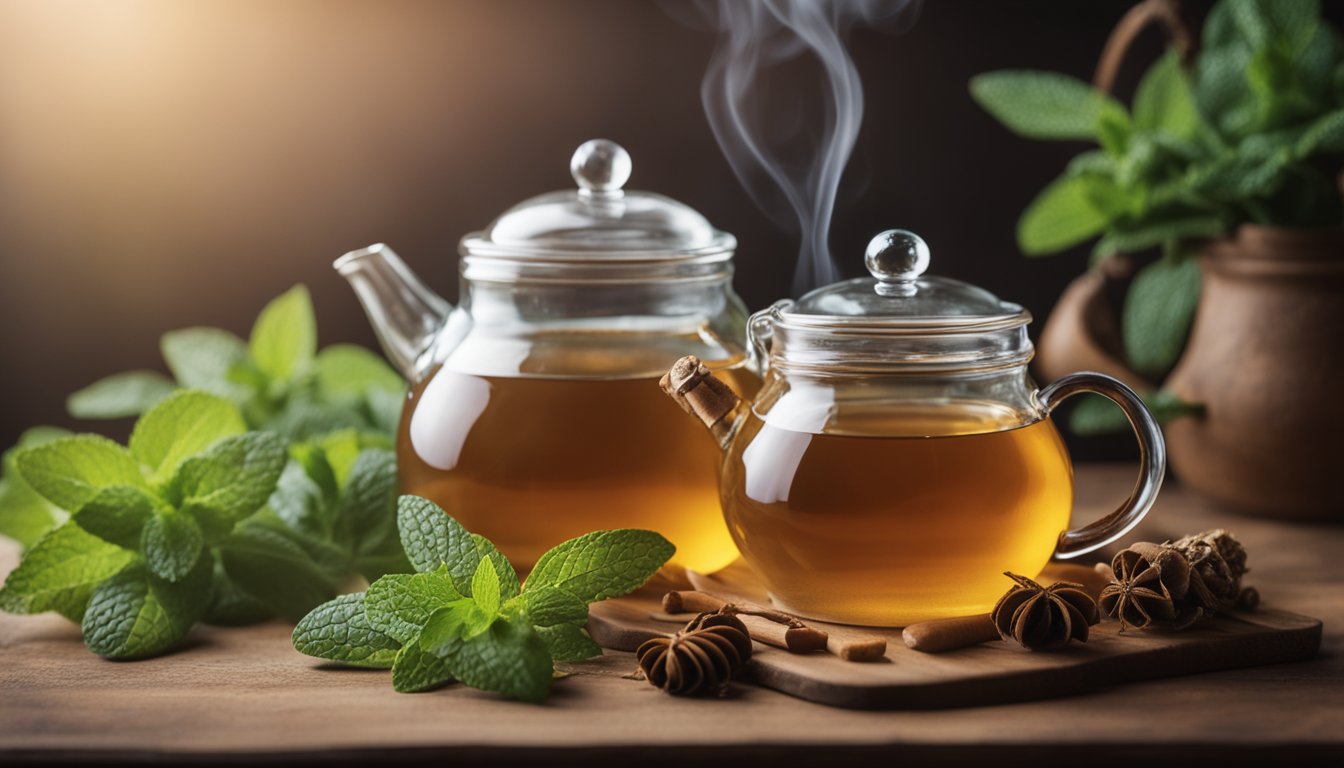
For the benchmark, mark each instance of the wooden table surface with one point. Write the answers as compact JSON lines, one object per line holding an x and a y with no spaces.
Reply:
{"x":245,"y":694}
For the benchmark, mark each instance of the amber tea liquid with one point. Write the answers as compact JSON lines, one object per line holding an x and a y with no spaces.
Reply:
{"x":880,"y":530}
{"x":531,"y":462}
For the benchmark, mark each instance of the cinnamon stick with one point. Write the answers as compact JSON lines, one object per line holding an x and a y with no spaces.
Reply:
{"x":950,"y":634}
{"x":782,"y":630}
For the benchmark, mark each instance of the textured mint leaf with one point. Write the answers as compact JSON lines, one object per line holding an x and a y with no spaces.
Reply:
{"x":1325,"y":134}
{"x":485,"y":588}
{"x":567,"y":642}
{"x":60,"y":571}
{"x":400,"y":604}
{"x":1158,"y":232}
{"x":25,"y":514}
{"x":71,"y":471}
{"x":384,"y":409}
{"x":456,"y":620}
{"x":171,"y":545}
{"x":509,"y":586}
{"x":416,"y":670}
{"x":602,"y":564}
{"x":431,"y":539}
{"x":550,"y":606}
{"x":1042,"y":105}
{"x":1157,"y":314}
{"x":1063,"y":214}
{"x":1163,"y":101}
{"x":284,"y":338}
{"x":135,"y":614}
{"x":509,"y":658}
{"x":303,"y":418}
{"x":185,"y":424}
{"x":275,"y":570}
{"x":120,"y":395}
{"x":230,"y":606}
{"x":345,"y":371}
{"x":302,"y":503}
{"x":232,"y":479}
{"x":201,"y":358}
{"x":368,"y":502}
{"x":338,"y":630}
{"x":117,"y":515}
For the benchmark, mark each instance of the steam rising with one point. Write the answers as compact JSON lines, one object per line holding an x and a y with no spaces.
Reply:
{"x":756,"y":36}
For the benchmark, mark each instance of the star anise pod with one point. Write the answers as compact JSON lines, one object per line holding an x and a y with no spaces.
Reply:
{"x":1217,"y":563}
{"x":701,"y":658}
{"x":1139,"y":596}
{"x":1044,"y":618}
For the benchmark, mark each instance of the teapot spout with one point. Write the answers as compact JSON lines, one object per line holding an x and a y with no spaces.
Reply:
{"x":705,"y":396}
{"x":406,"y":315}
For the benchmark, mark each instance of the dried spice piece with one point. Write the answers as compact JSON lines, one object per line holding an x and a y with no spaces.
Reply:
{"x":702,"y":658}
{"x":1137,"y":596}
{"x":1174,"y":584}
{"x":1044,"y":618}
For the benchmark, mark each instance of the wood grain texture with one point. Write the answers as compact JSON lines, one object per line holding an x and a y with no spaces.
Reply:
{"x":245,"y":693}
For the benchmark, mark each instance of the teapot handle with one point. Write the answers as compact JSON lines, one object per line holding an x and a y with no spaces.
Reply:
{"x":1152,"y":461}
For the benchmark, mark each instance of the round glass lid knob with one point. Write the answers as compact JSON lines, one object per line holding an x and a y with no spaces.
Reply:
{"x":897,"y":258}
{"x":600,"y":167}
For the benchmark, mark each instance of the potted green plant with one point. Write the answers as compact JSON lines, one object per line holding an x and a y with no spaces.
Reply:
{"x":1231,"y":166}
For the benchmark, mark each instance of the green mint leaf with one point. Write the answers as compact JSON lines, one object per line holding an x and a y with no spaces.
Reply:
{"x":456,"y":620}
{"x":201,"y":358}
{"x":135,"y":614}
{"x":1042,"y":105}
{"x":338,"y":630}
{"x":60,"y":572}
{"x":25,"y":514}
{"x":1063,"y":214}
{"x":171,"y":544}
{"x":509,"y":658}
{"x":303,"y":418}
{"x":509,"y":586}
{"x":284,"y":338}
{"x":550,"y":606}
{"x":348,"y":372}
{"x":185,"y":424}
{"x":1163,"y":101}
{"x":485,"y":588}
{"x":266,"y":564}
{"x":230,"y":606}
{"x":384,"y":409}
{"x":1100,"y":416}
{"x":1324,"y":135}
{"x":400,"y":604}
{"x":602,"y":564}
{"x":567,"y":642}
{"x":71,"y":471}
{"x":416,"y":670}
{"x":301,"y":503}
{"x":117,"y":515}
{"x":230,"y":480}
{"x":1157,"y":232}
{"x":431,"y":539}
{"x":120,"y":395}
{"x":1157,"y":313}
{"x":369,"y":501}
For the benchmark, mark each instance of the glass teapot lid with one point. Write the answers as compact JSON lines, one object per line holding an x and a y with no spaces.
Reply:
{"x":599,"y":221}
{"x":898,"y":317}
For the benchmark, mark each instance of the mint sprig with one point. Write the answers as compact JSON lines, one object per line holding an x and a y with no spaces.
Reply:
{"x":277,"y":377}
{"x":464,"y":616}
{"x":136,"y":563}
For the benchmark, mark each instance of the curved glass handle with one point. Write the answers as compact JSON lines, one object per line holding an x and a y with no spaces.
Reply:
{"x":1152,"y":461}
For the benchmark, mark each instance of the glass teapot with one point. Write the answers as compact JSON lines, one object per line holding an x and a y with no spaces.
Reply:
{"x":532,"y":415}
{"x":898,"y":458}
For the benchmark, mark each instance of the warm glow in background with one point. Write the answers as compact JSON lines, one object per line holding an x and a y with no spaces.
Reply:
{"x":166,"y":163}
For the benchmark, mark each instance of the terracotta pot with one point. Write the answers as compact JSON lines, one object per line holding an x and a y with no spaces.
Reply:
{"x":1266,"y":358}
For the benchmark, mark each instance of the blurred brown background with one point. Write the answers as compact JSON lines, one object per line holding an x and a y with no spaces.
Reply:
{"x":166,"y":163}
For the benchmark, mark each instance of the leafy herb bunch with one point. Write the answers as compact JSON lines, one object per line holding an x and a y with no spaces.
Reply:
{"x":1254,"y":132}
{"x":320,"y":514}
{"x":464,"y":616}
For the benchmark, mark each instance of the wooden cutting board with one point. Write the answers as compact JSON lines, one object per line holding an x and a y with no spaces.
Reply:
{"x":991,"y":673}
